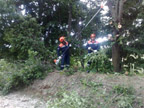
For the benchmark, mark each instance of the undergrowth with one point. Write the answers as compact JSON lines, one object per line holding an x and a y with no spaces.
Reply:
{"x":19,"y":74}
{"x":99,"y":96}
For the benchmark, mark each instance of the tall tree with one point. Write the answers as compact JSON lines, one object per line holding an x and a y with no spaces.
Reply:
{"x":117,"y":11}
{"x":8,"y":15}
{"x":57,"y":17}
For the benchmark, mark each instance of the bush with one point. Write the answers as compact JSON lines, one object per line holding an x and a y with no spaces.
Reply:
{"x":99,"y":61}
{"x":23,"y":35}
{"x":6,"y":72}
{"x":16,"y":75}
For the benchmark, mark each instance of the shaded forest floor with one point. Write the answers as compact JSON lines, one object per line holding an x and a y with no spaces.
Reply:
{"x":37,"y":94}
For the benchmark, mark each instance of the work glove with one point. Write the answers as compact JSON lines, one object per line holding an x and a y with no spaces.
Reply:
{"x":95,"y":51}
{"x":70,"y":45}
{"x":59,"y":57}
{"x":89,"y":48}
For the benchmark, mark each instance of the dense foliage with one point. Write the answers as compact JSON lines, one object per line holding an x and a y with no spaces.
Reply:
{"x":19,"y":74}
{"x":44,"y":21}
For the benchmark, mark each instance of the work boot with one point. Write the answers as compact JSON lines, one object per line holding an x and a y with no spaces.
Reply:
{"x":67,"y":66}
{"x":62,"y":67}
{"x":88,"y":71}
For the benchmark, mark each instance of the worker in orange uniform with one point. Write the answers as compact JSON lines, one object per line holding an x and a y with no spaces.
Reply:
{"x":63,"y":52}
{"x":92,"y":46}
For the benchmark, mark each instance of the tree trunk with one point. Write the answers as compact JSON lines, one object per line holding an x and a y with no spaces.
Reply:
{"x":79,"y":37}
{"x":116,"y":57}
{"x":116,"y":9}
{"x":69,"y":19}
{"x":40,"y":3}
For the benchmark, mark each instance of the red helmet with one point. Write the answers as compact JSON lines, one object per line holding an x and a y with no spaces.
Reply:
{"x":61,"y":39}
{"x":92,"y":35}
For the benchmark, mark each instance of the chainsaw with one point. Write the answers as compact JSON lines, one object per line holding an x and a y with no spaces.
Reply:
{"x":56,"y":61}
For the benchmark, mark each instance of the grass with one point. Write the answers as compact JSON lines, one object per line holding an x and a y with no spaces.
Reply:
{"x":98,"y":96}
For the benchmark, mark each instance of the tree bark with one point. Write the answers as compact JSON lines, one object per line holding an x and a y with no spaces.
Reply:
{"x":120,"y":13}
{"x":69,"y":19}
{"x":80,"y":38}
{"x":116,"y":57}
{"x":116,"y":9}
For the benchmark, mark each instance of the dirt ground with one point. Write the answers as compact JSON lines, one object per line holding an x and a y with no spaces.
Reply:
{"x":36,"y":95}
{"x":55,"y":81}
{"x":21,"y":100}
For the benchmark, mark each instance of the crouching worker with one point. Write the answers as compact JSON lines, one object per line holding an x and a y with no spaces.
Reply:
{"x":92,"y":46}
{"x":63,"y":52}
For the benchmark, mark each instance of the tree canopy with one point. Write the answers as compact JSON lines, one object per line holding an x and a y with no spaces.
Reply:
{"x":44,"y":21}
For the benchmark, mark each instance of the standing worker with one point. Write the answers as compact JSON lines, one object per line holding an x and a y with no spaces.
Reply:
{"x":63,"y":52}
{"x":92,"y":46}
